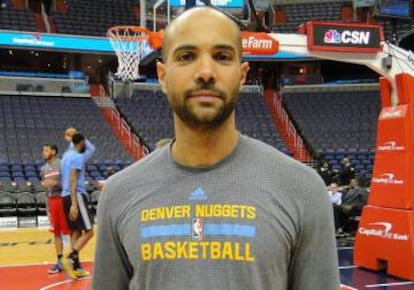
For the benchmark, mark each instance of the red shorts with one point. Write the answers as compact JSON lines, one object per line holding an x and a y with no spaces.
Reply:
{"x":57,"y":216}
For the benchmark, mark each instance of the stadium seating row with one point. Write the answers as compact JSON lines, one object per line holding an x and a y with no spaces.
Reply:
{"x":31,"y":172}
{"x":27,"y":204}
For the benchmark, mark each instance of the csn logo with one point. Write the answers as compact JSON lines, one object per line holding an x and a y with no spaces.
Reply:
{"x":382,"y":230}
{"x":390,"y":146}
{"x":387,"y":178}
{"x":332,"y":36}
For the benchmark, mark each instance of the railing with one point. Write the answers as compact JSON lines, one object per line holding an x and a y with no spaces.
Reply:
{"x":45,"y":18}
{"x":125,"y":130}
{"x":115,"y":116}
{"x":132,"y":140}
{"x":292,"y":134}
{"x":102,"y":92}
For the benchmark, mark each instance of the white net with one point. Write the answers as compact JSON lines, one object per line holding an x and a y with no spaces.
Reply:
{"x":129,"y":43}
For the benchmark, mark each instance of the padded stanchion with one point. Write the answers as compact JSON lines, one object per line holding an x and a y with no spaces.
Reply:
{"x":385,"y":238}
{"x":385,"y":235}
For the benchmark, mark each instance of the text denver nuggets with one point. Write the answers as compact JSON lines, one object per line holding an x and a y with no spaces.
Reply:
{"x":195,"y":237}
{"x":201,"y":211}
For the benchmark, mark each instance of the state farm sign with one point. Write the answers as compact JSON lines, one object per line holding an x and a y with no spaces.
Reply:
{"x":259,"y":43}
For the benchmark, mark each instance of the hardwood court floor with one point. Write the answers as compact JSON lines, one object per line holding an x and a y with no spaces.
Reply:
{"x":33,"y":246}
{"x":26,"y":254}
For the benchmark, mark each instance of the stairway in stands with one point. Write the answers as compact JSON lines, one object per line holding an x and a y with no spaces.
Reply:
{"x":118,"y":125}
{"x":286,"y":128}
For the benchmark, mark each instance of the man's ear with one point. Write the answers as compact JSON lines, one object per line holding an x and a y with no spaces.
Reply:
{"x":245,"y":67}
{"x":161,"y":72}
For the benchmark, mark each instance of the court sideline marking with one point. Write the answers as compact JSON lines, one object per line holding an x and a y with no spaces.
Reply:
{"x":36,"y":264}
{"x":63,"y":282}
{"x":389,"y":284}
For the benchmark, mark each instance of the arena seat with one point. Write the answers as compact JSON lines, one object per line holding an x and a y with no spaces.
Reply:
{"x":8,"y":186}
{"x":41,"y":201}
{"x":23,"y":187}
{"x":7,"y":205}
{"x":26,"y":204}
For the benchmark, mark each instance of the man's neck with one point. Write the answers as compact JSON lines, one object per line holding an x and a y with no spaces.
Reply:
{"x":51,"y":160}
{"x":200,"y":148}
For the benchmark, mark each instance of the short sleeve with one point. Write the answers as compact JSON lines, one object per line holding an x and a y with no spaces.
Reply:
{"x":77,"y":162}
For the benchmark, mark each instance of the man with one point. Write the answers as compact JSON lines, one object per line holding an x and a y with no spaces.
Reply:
{"x":335,"y":195}
{"x":353,"y":202}
{"x":76,"y":202}
{"x":347,"y":173}
{"x":336,"y":199}
{"x":215,"y":209}
{"x":50,"y":174}
{"x":90,"y":148}
{"x":325,"y":172}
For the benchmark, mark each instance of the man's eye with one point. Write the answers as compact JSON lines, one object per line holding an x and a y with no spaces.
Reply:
{"x":186,"y":56}
{"x":222,"y":56}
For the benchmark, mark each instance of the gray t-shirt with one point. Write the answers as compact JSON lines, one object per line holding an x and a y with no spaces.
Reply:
{"x":52,"y":171}
{"x":256,"y":220}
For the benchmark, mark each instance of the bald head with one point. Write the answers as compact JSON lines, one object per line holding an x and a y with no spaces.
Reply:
{"x":193,"y":16}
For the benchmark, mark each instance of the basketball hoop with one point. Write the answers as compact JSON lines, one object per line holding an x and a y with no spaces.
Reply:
{"x":128,"y":43}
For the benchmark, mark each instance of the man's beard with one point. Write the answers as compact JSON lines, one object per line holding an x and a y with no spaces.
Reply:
{"x":187,"y":114}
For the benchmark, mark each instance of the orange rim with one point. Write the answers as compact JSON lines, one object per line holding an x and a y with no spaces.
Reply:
{"x":127,"y":27}
{"x":153,"y":38}
{"x":113,"y":33}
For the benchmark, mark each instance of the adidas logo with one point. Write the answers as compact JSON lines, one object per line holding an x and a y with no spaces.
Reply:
{"x":198,"y":194}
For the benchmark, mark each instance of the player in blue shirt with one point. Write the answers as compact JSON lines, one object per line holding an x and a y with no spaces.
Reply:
{"x":76,"y":202}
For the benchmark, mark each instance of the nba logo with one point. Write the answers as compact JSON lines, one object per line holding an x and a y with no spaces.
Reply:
{"x":197,"y":229}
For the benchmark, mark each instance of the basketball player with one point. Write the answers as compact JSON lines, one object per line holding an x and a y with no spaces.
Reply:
{"x":266,"y":219}
{"x":50,"y":173}
{"x":76,"y":202}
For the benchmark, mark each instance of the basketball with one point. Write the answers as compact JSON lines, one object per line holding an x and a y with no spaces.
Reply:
{"x":69,"y":133}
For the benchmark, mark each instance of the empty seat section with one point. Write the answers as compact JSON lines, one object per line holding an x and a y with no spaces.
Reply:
{"x":338,"y":124}
{"x":30,"y":121}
